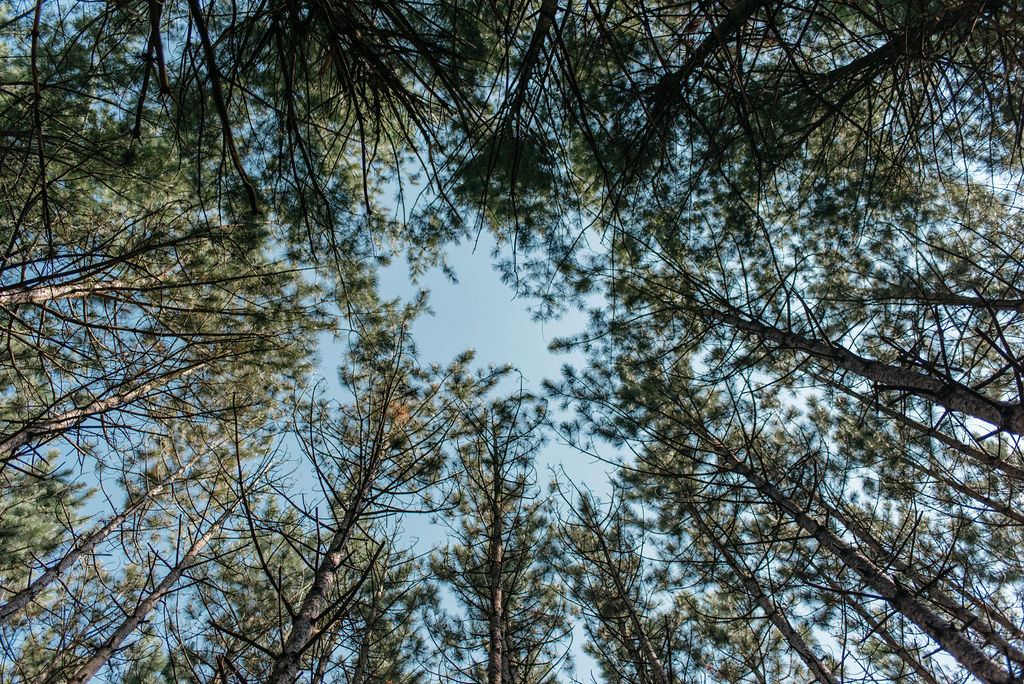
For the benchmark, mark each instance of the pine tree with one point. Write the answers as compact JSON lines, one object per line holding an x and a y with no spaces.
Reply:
{"x":512,"y":624}
{"x":37,"y":518}
{"x":613,"y":587}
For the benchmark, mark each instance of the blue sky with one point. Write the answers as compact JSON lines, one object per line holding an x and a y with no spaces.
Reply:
{"x":481,"y":313}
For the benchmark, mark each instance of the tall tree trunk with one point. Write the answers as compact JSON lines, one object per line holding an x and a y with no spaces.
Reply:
{"x":44,"y":428}
{"x":969,"y":655}
{"x":952,"y":395}
{"x":771,"y":610}
{"x":113,"y":643}
{"x":668,"y":93}
{"x":23,"y":597}
{"x":496,"y":666}
{"x":286,"y":666}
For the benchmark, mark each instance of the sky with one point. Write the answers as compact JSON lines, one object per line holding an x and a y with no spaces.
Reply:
{"x":481,"y":313}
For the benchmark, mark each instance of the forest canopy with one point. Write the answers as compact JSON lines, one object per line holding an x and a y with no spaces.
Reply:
{"x":796,"y":230}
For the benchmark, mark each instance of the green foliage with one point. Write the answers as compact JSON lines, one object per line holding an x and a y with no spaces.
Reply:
{"x":512,"y":621}
{"x":39,"y":512}
{"x":798,"y":226}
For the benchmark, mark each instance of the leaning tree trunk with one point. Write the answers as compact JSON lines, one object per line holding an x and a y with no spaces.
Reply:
{"x":948,"y":637}
{"x":951,"y":395}
{"x":43,"y":428}
{"x":23,"y":597}
{"x":303,"y":630}
{"x":42,"y":294}
{"x":140,"y":614}
{"x":772,"y":611}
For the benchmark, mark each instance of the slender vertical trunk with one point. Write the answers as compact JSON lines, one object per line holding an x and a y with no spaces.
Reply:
{"x":111,"y":645}
{"x":948,"y":637}
{"x":545,"y":19}
{"x":771,"y":610}
{"x":647,"y":648}
{"x":509,"y":674}
{"x":669,"y":95}
{"x":23,"y":597}
{"x":362,"y":661}
{"x":496,"y":666}
{"x":496,"y":646}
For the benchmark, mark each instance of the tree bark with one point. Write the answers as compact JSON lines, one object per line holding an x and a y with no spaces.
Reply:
{"x":496,"y":666}
{"x":113,"y":643}
{"x":23,"y":597}
{"x":952,"y":395}
{"x":286,"y":666}
{"x":42,"y":294}
{"x":969,"y":655}
{"x":771,"y":610}
{"x":45,"y":428}
{"x":666,"y":95}
{"x":362,"y":673}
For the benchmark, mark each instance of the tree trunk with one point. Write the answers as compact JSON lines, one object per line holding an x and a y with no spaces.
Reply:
{"x":496,"y":666}
{"x":969,"y":655}
{"x":42,"y":294}
{"x":23,"y":597}
{"x":286,"y":666}
{"x":45,"y":428}
{"x":362,"y":669}
{"x":112,"y":644}
{"x":667,"y":94}
{"x":952,"y":395}
{"x":771,"y":610}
